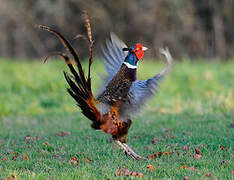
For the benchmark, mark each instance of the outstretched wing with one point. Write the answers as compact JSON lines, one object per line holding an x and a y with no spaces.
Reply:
{"x":113,"y":56}
{"x":141,"y":91}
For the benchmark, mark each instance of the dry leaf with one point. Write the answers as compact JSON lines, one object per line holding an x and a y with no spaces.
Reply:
{"x":12,"y":177}
{"x":73,"y":160}
{"x":159,"y":154}
{"x":149,"y":148}
{"x":126,"y":172}
{"x":88,"y":160}
{"x":208,"y":175}
{"x":165,"y":135}
{"x":137,"y":136}
{"x":197,"y":156}
{"x":4,"y":159}
{"x":168,"y":145}
{"x":172,"y":136}
{"x":224,"y":162}
{"x":47,"y":144}
{"x":185,"y":148}
{"x":183,"y":167}
{"x":186,"y":133}
{"x":192,"y":168}
{"x":62,"y":134}
{"x":198,"y":151}
{"x":155,"y":140}
{"x":118,"y":173}
{"x":123,"y":171}
{"x":186,"y":178}
{"x":150,"y":167}
{"x":25,"y":157}
{"x":156,"y":155}
{"x":222,"y":147}
{"x":28,"y":138}
{"x":203,"y":146}
{"x":11,"y":152}
{"x":14,"y":158}
{"x":140,"y":174}
{"x":167,"y":153}
{"x":38,"y":138}
{"x":56,"y":156}
{"x":167,"y":130}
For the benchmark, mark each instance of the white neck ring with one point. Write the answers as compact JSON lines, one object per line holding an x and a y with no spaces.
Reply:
{"x":130,"y":66}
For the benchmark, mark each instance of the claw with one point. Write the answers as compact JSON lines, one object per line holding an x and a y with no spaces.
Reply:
{"x":128,"y":151}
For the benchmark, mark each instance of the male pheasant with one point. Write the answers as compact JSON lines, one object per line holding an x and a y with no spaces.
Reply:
{"x":122,"y":96}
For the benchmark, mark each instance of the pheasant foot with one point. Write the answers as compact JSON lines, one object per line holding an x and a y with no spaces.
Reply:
{"x":129,"y":151}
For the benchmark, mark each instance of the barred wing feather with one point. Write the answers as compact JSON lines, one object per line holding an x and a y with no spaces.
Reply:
{"x":113,"y":56}
{"x":139,"y":93}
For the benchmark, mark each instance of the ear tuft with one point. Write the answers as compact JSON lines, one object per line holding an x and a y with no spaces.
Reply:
{"x":125,"y":49}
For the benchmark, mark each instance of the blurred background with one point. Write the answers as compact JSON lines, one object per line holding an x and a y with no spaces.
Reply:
{"x":191,"y":29}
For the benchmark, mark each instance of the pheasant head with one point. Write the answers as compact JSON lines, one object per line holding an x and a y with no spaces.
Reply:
{"x":135,"y":53}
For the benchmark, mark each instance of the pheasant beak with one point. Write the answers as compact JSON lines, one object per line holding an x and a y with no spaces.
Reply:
{"x":144,"y":48}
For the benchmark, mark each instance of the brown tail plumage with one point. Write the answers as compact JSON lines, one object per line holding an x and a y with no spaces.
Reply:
{"x":80,"y":86}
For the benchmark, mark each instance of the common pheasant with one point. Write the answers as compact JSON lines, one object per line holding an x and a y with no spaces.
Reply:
{"x":122,"y":96}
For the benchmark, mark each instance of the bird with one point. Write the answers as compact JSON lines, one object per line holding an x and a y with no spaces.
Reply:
{"x":122,"y":95}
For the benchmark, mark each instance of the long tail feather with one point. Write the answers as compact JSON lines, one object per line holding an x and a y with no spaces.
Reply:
{"x":80,"y":86}
{"x":80,"y":89}
{"x":70,"y":49}
{"x":85,"y":17}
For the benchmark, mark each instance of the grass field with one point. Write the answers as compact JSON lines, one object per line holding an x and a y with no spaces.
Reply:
{"x":44,"y":136}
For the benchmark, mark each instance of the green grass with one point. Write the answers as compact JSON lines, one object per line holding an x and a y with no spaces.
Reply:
{"x":196,"y":97}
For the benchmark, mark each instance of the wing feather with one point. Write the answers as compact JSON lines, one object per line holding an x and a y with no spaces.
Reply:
{"x":139,"y":93}
{"x":113,"y":56}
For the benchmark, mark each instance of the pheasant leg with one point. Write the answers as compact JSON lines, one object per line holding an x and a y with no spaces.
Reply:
{"x":129,"y":151}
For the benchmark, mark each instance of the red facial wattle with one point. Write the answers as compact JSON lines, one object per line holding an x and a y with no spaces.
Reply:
{"x":139,"y":51}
